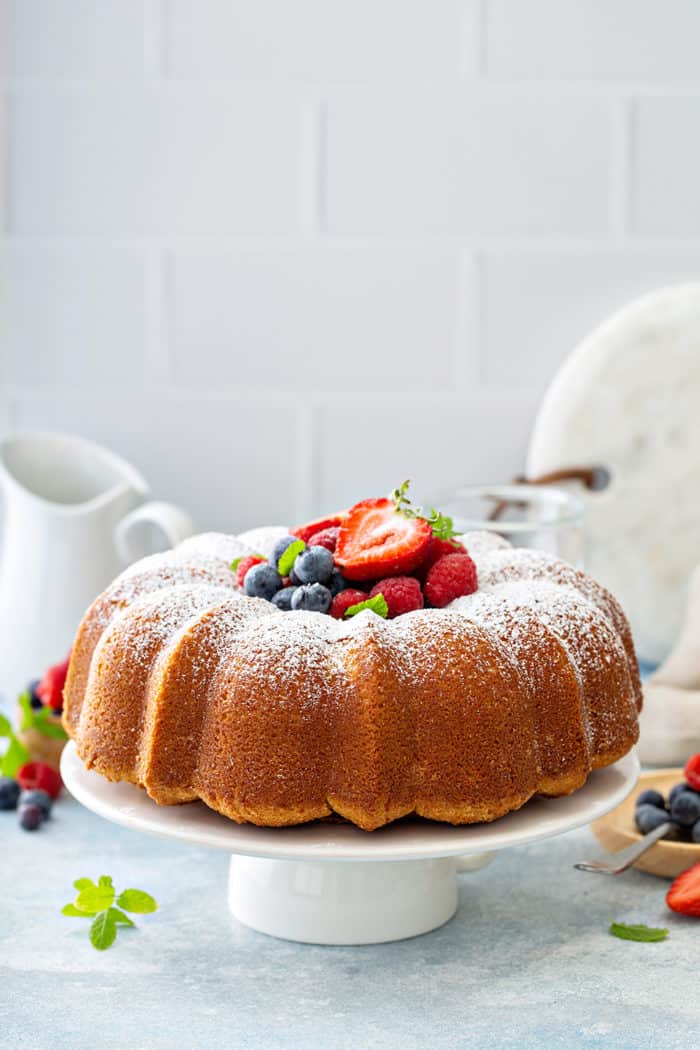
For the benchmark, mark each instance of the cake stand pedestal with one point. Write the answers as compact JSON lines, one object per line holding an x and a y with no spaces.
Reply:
{"x":327,"y":883}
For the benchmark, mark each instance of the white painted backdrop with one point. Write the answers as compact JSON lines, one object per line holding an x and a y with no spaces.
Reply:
{"x":284,"y":254}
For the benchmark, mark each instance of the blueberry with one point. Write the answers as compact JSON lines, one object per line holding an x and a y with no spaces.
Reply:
{"x":37,"y":798}
{"x":283,"y":598}
{"x":280,"y":547}
{"x":262,"y":581}
{"x":34,"y":700}
{"x":654,"y":798}
{"x":695,"y":832}
{"x":685,"y":808}
{"x":676,"y":790}
{"x":31,"y":816}
{"x":9,"y":793}
{"x":314,"y":565}
{"x":312,"y":597}
{"x":648,"y":817}
{"x":337,"y":583}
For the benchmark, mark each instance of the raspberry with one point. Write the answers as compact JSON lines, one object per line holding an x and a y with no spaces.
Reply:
{"x":342,"y":602}
{"x":437,"y":549}
{"x":451,"y":577}
{"x":692,"y":771}
{"x":327,"y":538}
{"x":402,"y":594}
{"x":39,"y":775}
{"x":245,"y":564}
{"x":50,"y":688}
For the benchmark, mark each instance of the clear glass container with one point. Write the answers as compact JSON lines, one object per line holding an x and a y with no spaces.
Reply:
{"x":540,"y":516}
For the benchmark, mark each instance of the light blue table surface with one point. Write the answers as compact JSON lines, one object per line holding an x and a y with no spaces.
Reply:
{"x":526,"y":962}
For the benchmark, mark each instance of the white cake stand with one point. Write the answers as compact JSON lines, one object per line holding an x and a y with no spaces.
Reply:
{"x":328,"y":883}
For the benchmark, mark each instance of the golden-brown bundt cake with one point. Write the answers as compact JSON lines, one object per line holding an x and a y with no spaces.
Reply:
{"x":181,"y":683}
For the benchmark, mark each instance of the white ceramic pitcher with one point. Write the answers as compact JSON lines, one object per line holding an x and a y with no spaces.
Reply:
{"x":69,"y":525}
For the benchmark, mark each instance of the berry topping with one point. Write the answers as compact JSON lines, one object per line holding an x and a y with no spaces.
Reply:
{"x":402,"y":594}
{"x":684,"y":894}
{"x":283,"y":599}
{"x":50,"y":688}
{"x":312,"y":597}
{"x":262,"y":581}
{"x":685,"y":808}
{"x":9,"y":793}
{"x":34,"y":698}
{"x":243,"y":564}
{"x":327,"y":538}
{"x":305,"y":532}
{"x":314,"y":565}
{"x":377,"y":540}
{"x":695,"y":832}
{"x":343,"y":600}
{"x":37,"y":798}
{"x":692,"y":771}
{"x":31,"y":817}
{"x":654,"y":798}
{"x":337,"y":582}
{"x":280,"y":547}
{"x":647,"y":817}
{"x":451,"y":577}
{"x":438,"y":548}
{"x":39,"y":775}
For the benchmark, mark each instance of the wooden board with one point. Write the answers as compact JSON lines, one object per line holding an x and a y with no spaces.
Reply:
{"x":628,"y":399}
{"x":617,"y":830}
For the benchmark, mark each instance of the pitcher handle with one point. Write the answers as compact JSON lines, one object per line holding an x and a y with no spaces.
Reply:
{"x":174,"y":522}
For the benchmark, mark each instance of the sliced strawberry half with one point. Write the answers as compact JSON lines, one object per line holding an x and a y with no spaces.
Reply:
{"x":305,"y":532}
{"x":375,"y":540}
{"x":684,"y":894}
{"x":692,"y":771}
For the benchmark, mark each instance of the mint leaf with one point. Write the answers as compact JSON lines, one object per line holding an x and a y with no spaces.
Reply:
{"x":105,"y":880}
{"x":441,"y":525}
{"x":103,"y":931}
{"x":638,"y":933}
{"x":76,"y":913}
{"x":82,"y":884}
{"x":15,"y":756}
{"x":50,"y":729}
{"x":286,"y":562}
{"x":120,"y":918}
{"x":137,"y":901}
{"x":5,"y":726}
{"x":25,"y":705}
{"x":377,"y":604}
{"x":95,"y":898}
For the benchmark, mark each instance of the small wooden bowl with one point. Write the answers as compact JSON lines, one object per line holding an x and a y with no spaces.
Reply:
{"x":617,"y":829}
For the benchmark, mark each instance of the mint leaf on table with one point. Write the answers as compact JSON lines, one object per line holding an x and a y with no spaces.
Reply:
{"x":638,"y":933}
{"x":103,"y":931}
{"x":120,"y":918}
{"x":96,"y":902}
{"x":377,"y":604}
{"x":289,"y":556}
{"x":137,"y":901}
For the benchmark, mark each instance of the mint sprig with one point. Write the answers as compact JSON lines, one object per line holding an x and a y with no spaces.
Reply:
{"x":638,"y":933}
{"x":377,"y":604}
{"x":97,"y":902}
{"x":39,"y":720}
{"x":286,"y":561}
{"x":441,"y":524}
{"x":16,"y":754}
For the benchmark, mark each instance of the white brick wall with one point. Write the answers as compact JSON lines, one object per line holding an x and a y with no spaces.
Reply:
{"x":283,"y":254}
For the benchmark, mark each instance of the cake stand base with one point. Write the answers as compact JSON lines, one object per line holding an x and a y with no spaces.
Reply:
{"x":350,"y":902}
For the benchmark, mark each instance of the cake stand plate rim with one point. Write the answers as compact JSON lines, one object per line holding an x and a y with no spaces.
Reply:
{"x":129,"y":806}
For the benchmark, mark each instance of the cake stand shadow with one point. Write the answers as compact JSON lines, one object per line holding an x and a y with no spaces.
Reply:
{"x":327,"y":883}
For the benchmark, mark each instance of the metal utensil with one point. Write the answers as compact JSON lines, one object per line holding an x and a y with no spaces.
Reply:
{"x":625,"y":858}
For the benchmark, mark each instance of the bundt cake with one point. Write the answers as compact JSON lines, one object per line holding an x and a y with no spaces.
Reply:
{"x":184,"y":684}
